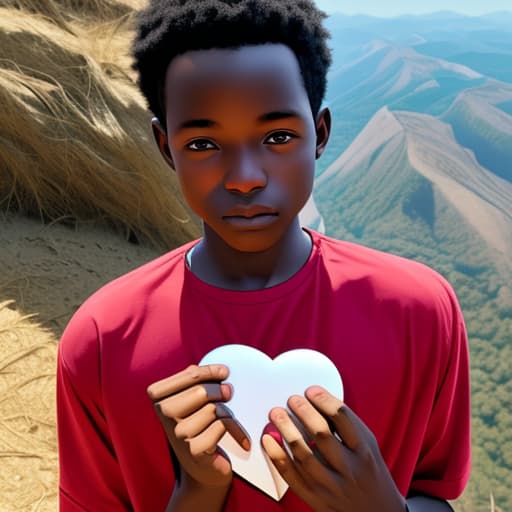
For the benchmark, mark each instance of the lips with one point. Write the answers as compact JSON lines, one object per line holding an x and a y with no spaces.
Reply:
{"x":249,"y":212}
{"x":251,"y":218}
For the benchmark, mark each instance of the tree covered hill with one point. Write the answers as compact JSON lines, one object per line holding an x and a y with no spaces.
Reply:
{"x":419,"y":164}
{"x":482,"y":122}
{"x":406,"y":186}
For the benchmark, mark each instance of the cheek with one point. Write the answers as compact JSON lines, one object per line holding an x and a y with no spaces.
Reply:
{"x":194,"y":190}
{"x":298,"y":174}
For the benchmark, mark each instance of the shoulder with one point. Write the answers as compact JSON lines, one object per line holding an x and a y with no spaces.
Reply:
{"x":141,"y":281}
{"x":118,"y":303}
{"x":387,"y":279}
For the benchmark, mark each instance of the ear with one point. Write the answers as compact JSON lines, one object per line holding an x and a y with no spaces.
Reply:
{"x":161,"y":140}
{"x":323,"y":130}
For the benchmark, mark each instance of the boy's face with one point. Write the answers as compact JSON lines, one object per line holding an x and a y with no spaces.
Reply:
{"x":243,"y":141}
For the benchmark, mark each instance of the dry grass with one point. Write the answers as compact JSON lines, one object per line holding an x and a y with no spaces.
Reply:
{"x":47,"y":272}
{"x":77,"y":144}
{"x":64,"y":12}
{"x":75,"y":149}
{"x":28,"y":455}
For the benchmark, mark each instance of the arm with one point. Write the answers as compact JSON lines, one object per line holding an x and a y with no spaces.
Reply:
{"x":449,"y":427}
{"x":191,"y":496}
{"x":443,"y":466}
{"x":89,"y":471}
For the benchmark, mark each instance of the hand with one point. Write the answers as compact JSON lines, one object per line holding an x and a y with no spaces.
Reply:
{"x":188,"y":406}
{"x":329,"y":474}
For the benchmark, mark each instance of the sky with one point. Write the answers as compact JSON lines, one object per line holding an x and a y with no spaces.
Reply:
{"x":388,"y":8}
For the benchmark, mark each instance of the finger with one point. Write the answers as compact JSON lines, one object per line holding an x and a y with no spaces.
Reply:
{"x":194,"y":424}
{"x":206,"y":442}
{"x":314,"y":423}
{"x":186,"y":378}
{"x":287,"y":469}
{"x":307,"y":462}
{"x":319,"y":433}
{"x":350,"y":428}
{"x":190,"y":400}
{"x":234,"y":427}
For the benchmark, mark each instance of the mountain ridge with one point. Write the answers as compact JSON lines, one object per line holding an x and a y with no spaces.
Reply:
{"x":480,"y":197}
{"x":480,"y":124}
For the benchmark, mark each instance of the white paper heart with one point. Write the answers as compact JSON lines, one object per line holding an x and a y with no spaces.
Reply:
{"x":260,"y":384}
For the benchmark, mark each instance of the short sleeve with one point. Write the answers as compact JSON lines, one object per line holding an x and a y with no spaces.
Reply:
{"x":90,"y":477}
{"x":444,"y":463}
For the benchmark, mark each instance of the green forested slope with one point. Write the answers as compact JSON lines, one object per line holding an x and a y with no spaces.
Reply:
{"x":386,"y":204}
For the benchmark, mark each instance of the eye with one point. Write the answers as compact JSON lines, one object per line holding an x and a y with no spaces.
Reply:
{"x":200,"y":145}
{"x":280,"y":138}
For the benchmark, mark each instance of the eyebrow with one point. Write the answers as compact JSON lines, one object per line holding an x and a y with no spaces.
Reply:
{"x":265,"y":118}
{"x":278,"y":115}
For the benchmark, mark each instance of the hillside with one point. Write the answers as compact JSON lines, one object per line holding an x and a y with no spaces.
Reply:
{"x":411,"y":66}
{"x":481,"y":199}
{"x":458,"y":50}
{"x":77,"y":147}
{"x":481,"y":123}
{"x":47,"y":272}
{"x":406,"y":186}
{"x":382,"y":74}
{"x":395,"y":148}
{"x":84,"y":197}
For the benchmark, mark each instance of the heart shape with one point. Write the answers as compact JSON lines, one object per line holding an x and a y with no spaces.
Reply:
{"x":261,"y":383}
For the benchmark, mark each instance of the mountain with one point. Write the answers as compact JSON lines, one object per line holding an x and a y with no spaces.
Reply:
{"x":405,"y":185}
{"x":388,"y":71}
{"x":410,"y":170}
{"x":438,"y":22}
{"x":360,"y":29}
{"x":419,"y":164}
{"x":467,"y":40}
{"x":501,"y":17}
{"x":381,"y":74}
{"x":482,"y":121}
{"x":489,"y":55}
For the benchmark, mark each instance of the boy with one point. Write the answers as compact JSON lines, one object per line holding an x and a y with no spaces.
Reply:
{"x":236,"y":88}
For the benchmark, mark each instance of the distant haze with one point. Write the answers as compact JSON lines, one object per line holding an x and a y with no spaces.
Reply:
{"x":398,"y":7}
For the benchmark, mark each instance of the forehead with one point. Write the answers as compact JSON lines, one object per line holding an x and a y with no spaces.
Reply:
{"x":258,"y":79}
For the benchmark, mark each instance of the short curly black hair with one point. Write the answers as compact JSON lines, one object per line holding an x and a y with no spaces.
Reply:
{"x":167,"y":28}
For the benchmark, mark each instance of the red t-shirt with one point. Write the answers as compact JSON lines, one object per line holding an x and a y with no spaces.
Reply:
{"x":392,"y":327}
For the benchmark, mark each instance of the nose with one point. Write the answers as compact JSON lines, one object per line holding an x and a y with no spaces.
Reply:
{"x":245,"y":174}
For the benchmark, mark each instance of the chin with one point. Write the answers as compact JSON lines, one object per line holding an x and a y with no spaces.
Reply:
{"x":251,"y":243}
{"x":250,"y":247}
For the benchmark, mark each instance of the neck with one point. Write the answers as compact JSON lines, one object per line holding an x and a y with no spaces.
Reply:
{"x":218,"y":264}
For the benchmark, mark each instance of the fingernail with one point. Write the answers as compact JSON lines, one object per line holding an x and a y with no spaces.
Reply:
{"x":223,"y":369}
{"x":227,"y":391}
{"x":245,"y":440}
{"x":246,"y":445}
{"x":233,"y":426}
{"x":315,"y":391}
